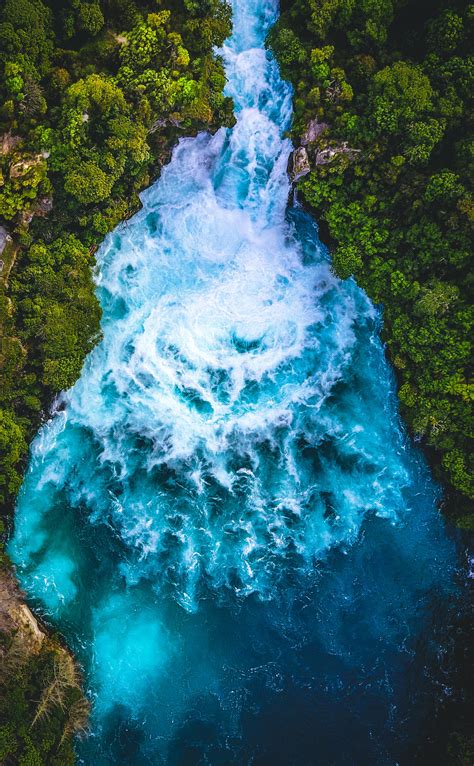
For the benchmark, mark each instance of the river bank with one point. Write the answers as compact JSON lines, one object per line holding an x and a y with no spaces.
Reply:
{"x":368,"y":146}
{"x":225,"y":516}
{"x":383,"y":118}
{"x":94,"y":97}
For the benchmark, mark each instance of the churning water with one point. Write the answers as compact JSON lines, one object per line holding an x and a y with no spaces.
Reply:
{"x":225,"y":517}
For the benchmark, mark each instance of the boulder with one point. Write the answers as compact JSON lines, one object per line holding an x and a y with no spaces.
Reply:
{"x":330,"y":153}
{"x":8,"y":143}
{"x":313,"y":131}
{"x":5,"y":238}
{"x":298,"y":165}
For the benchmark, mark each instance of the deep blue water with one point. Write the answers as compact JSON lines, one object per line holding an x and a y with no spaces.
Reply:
{"x":224,"y":516}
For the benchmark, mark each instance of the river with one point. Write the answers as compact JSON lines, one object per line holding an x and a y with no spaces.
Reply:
{"x":224,"y":516}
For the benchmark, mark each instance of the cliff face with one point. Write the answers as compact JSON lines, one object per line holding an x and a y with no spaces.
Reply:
{"x":18,"y":626}
{"x":41,"y":702}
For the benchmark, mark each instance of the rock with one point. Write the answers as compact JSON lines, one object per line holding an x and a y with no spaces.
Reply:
{"x":327,"y":155}
{"x":27,"y":625}
{"x":298,"y":165}
{"x":22,"y":166}
{"x":43,"y":206}
{"x":5,"y":238}
{"x":163,"y":123}
{"x":313,"y":131}
{"x":16,"y":620}
{"x":26,"y":217}
{"x":8,"y":142}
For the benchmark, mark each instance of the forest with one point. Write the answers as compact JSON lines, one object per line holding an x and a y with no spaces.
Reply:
{"x":89,"y":111}
{"x":383,"y":109}
{"x":93,"y":95}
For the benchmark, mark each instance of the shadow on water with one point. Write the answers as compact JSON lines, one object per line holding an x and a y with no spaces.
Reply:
{"x":226,"y":519}
{"x":341,"y":667}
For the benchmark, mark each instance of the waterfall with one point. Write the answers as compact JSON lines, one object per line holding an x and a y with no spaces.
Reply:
{"x":230,"y":456}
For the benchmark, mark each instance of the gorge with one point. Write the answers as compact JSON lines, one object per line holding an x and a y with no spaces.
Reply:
{"x":224,"y":516}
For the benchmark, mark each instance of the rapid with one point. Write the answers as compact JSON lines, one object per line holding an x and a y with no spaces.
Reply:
{"x":224,"y":515}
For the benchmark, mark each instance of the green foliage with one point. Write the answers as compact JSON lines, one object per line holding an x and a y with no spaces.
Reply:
{"x":26,"y":30}
{"x":289,"y":46}
{"x":107,"y":110}
{"x":8,"y":742}
{"x":422,"y":137}
{"x":395,"y":194}
{"x":41,"y":704}
{"x":90,"y":18}
{"x":88,"y":183}
{"x":93,"y":94}
{"x":12,"y":450}
{"x":399,"y":94}
{"x":443,"y":186}
{"x":57,"y":310}
{"x":24,"y":179}
{"x":445,"y":32}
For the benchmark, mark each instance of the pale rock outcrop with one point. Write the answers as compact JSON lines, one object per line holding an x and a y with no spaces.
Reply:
{"x":5,"y":238}
{"x":313,"y":130}
{"x":327,"y":155}
{"x":298,"y":164}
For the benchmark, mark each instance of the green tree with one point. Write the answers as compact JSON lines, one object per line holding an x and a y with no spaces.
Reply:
{"x":28,"y":24}
{"x":12,"y":450}
{"x":400,"y":93}
{"x":88,"y":183}
{"x":445,"y":32}
{"x":90,"y":18}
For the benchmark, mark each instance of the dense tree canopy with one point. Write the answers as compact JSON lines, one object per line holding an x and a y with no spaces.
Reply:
{"x":390,"y":85}
{"x":92,"y":97}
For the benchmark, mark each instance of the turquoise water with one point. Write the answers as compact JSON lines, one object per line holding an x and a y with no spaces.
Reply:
{"x":223,"y":515}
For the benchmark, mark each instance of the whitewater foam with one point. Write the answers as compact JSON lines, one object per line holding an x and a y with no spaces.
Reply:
{"x":223,"y":345}
{"x":236,"y":421}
